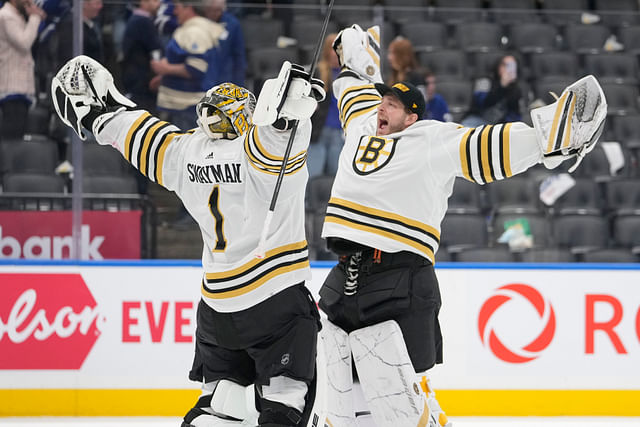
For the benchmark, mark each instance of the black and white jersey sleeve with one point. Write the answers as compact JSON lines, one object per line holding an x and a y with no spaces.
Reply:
{"x":148,"y":143}
{"x":491,"y":152}
{"x":358,"y":102}
{"x":265,"y":146}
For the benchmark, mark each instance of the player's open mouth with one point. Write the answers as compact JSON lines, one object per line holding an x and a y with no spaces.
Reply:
{"x":382,"y":124}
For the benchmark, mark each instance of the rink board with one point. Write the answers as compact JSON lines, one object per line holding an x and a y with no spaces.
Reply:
{"x":116,"y":338}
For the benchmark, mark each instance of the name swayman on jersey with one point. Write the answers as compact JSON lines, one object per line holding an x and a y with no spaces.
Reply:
{"x":227,"y":179}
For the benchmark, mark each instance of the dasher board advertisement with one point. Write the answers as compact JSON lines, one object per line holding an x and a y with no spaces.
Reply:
{"x":116,"y":338}
{"x":47,"y":235}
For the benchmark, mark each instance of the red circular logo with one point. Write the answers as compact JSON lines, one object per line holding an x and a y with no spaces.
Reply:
{"x":489,"y":337}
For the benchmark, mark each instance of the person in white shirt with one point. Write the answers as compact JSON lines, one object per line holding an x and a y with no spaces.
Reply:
{"x":19,"y":21}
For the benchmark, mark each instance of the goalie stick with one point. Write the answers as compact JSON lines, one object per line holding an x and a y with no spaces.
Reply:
{"x":260,"y":253}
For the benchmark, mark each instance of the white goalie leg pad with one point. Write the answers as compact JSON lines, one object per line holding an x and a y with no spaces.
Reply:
{"x":437,"y":417}
{"x":310,"y":400}
{"x":315,"y":412}
{"x":387,"y":377}
{"x":340,"y":406}
{"x":572,"y":125}
{"x":359,"y":50}
{"x":233,"y":400}
{"x":287,"y":391}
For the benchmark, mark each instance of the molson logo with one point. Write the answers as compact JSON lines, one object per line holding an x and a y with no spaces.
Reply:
{"x":47,"y":321}
{"x":512,"y":294}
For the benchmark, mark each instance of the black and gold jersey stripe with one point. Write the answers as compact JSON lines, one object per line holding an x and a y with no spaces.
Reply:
{"x":416,"y":234}
{"x":146,"y":143}
{"x":255,"y":273}
{"x":485,"y":153}
{"x":266,"y":162}
{"x":356,"y":101}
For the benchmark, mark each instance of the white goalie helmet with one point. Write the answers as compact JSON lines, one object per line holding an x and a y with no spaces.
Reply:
{"x":226,"y":111}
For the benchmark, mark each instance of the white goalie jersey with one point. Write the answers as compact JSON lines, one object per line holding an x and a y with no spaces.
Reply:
{"x":226,"y":185}
{"x":409,"y":175}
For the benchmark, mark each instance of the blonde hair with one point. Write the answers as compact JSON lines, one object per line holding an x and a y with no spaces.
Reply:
{"x":405,"y":57}
{"x":324,"y":64}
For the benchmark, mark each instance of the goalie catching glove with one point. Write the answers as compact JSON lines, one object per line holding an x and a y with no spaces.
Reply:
{"x":293,"y":95}
{"x":571,"y":126}
{"x":84,"y":95}
{"x":359,"y":51}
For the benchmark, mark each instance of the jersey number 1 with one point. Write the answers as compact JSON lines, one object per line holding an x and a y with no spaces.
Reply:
{"x":218,"y":219}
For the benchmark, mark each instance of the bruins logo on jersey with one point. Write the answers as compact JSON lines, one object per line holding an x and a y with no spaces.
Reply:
{"x":373,"y":153}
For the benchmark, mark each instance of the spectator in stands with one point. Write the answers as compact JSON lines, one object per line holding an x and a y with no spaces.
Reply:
{"x":183,"y":70}
{"x":92,"y":33}
{"x":55,"y":10}
{"x":327,"y":138}
{"x":166,"y":21}
{"x":497,"y":100}
{"x":92,"y":43}
{"x":19,"y":21}
{"x":141,"y":44}
{"x":185,"y":63}
{"x":229,"y":63}
{"x":436,"y":106}
{"x":402,"y":60}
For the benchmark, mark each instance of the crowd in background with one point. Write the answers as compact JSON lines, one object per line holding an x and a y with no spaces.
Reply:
{"x":165,"y":54}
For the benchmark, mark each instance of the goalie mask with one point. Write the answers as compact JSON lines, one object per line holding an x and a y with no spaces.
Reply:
{"x":225,"y":111}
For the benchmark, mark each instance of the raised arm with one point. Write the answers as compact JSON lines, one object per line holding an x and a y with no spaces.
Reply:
{"x":85,"y":98}
{"x":359,"y":56}
{"x":567,"y":129}
{"x":292,"y":96}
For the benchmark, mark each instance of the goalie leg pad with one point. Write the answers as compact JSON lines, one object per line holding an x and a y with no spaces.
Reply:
{"x":387,"y":377}
{"x":278,"y":407}
{"x":223,"y":403}
{"x":233,"y":400}
{"x":437,"y":417}
{"x":335,"y":343}
{"x":315,"y":411}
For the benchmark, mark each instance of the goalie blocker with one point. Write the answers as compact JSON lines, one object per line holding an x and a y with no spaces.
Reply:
{"x":293,"y":95}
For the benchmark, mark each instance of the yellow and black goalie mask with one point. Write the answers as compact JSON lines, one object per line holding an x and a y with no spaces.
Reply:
{"x":225,"y":111}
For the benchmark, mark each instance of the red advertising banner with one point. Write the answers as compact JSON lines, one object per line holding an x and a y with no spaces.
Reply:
{"x":47,"y":235}
{"x":47,"y":321}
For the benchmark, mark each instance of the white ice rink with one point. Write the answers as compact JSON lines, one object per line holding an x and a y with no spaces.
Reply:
{"x":457,"y":422}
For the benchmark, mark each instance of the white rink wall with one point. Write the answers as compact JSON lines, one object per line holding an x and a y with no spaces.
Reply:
{"x":116,"y":338}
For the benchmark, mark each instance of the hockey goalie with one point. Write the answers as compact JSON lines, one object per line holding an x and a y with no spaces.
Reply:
{"x":395,"y":174}
{"x":256,"y":353}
